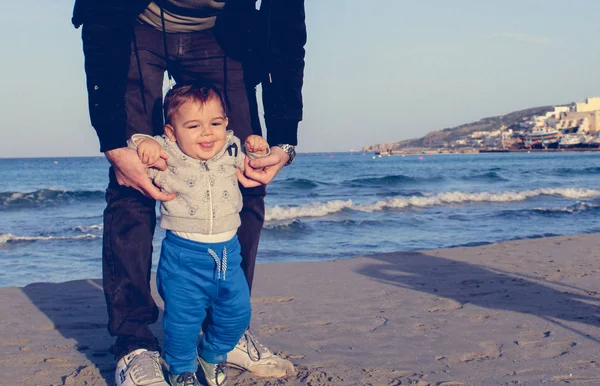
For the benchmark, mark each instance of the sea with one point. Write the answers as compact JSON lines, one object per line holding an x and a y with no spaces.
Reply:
{"x":325,"y":206}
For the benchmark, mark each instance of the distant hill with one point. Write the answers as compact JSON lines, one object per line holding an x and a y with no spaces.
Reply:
{"x":437,"y":139}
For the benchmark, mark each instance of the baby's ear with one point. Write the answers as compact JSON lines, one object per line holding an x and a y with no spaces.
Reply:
{"x":226,"y":122}
{"x":170,"y":132}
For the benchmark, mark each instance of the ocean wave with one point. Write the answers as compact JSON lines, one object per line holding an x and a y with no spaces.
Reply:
{"x":441,"y":199}
{"x":322,"y":209}
{"x":574,"y":171}
{"x":284,"y":225}
{"x":490,"y":176}
{"x":481,"y":243}
{"x":298,"y":183}
{"x":6,"y":238}
{"x":316,"y":209}
{"x":575,"y":208}
{"x":45,"y":196}
{"x":87,"y":228}
{"x":396,"y":179}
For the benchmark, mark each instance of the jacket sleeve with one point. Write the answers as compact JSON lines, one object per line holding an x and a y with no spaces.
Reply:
{"x":282,"y":87}
{"x":107,"y":35}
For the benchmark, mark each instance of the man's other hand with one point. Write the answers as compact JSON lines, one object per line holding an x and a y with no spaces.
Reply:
{"x":262,"y":170}
{"x":131,"y":172}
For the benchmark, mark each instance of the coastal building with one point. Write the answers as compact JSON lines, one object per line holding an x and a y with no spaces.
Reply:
{"x":581,"y":122}
{"x":557,"y":111}
{"x":590,"y":104}
{"x":479,"y":134}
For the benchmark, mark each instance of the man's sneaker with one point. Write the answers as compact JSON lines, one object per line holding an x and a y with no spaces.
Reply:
{"x":185,"y":379}
{"x":214,"y":374}
{"x":140,"y":368}
{"x":249,"y":354}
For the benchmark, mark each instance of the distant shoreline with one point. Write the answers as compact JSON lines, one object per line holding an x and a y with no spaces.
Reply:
{"x":478,"y":151}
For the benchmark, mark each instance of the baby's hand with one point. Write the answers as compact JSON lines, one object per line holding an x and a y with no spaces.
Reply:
{"x":257,"y":145}
{"x":150,"y":152}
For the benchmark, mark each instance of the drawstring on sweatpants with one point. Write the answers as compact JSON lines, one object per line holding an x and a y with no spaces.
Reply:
{"x":221,"y":263}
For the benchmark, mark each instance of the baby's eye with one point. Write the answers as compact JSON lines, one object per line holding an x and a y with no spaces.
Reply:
{"x":216,"y":123}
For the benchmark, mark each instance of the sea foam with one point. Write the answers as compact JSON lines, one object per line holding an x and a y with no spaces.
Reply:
{"x":6,"y":238}
{"x":322,"y":209}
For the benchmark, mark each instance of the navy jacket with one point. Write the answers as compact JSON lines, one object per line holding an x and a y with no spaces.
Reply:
{"x":270,"y":44}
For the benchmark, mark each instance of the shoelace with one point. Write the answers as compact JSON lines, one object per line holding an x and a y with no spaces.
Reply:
{"x":251,"y":340}
{"x":187,"y":379}
{"x":221,"y":263}
{"x":219,"y":370}
{"x":145,"y":366}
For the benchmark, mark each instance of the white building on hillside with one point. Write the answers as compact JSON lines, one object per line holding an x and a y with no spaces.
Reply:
{"x":590,"y":104}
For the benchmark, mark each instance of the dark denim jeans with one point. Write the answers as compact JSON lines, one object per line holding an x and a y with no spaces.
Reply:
{"x":129,"y":217}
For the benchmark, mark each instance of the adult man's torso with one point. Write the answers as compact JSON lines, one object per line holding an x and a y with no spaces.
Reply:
{"x":182,"y":15}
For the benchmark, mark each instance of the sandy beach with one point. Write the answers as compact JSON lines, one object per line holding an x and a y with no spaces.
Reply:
{"x":522,"y":312}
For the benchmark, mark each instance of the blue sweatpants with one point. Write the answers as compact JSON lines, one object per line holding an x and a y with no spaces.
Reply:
{"x":194,"y":278}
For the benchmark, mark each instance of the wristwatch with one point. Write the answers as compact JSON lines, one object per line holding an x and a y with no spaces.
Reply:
{"x":289,"y":149}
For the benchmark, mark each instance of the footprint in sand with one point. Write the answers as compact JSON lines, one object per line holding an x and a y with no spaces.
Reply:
{"x":538,"y":345}
{"x":15,"y":341}
{"x":288,"y":327}
{"x":273,"y":300}
{"x":84,"y":375}
{"x":492,"y":350}
{"x":577,"y":379}
{"x":319,"y":376}
{"x":482,"y":318}
{"x":365,"y":323}
{"x":583,"y":364}
{"x":425,"y":327}
{"x":446,"y":305}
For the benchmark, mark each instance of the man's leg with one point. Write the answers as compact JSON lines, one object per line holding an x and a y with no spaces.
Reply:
{"x":129,"y":221}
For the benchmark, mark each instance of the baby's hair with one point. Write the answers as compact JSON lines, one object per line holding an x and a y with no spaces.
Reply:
{"x":190,"y":92}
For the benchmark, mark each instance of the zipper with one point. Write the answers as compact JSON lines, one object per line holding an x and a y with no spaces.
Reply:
{"x":210,"y":204}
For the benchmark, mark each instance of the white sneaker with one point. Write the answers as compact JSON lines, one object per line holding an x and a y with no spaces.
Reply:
{"x":214,"y":374}
{"x":249,"y":354}
{"x":140,"y":368}
{"x":185,"y":379}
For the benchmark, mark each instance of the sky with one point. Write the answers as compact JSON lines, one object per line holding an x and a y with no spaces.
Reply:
{"x":376,"y":70}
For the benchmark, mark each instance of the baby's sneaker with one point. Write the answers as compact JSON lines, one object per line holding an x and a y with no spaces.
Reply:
{"x":185,"y":379}
{"x":214,"y":374}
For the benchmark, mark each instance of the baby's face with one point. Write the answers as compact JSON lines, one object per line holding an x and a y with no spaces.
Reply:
{"x":199,"y":130}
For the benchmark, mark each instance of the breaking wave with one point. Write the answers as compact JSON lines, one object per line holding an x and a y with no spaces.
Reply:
{"x":398,"y":179}
{"x":7,"y":238}
{"x":44,"y":197}
{"x":322,"y":209}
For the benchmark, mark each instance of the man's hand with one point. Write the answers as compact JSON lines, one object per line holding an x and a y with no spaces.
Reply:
{"x":131,"y":172}
{"x":150,"y":152}
{"x":270,"y":165}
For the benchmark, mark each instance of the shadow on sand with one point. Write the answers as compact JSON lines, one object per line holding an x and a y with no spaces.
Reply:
{"x":488,"y":287}
{"x":78,"y":311}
